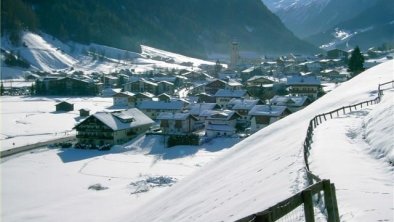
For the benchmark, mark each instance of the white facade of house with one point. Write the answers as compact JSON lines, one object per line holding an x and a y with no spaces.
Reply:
{"x":223,"y":96}
{"x":264,"y":115}
{"x":177,"y":123}
{"x":220,"y":122}
{"x":126,"y":99}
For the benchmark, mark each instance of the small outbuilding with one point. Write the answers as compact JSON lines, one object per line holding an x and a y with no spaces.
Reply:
{"x":64,"y":107}
{"x":84,"y":112}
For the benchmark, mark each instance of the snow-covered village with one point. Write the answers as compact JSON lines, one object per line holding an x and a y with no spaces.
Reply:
{"x":176,"y":111}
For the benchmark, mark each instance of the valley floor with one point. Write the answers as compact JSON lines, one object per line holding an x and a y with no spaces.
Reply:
{"x":48,"y":184}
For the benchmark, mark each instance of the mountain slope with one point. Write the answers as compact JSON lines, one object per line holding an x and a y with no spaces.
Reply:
{"x":306,"y":18}
{"x":372,"y":27}
{"x":259,"y":171}
{"x":189,"y":27}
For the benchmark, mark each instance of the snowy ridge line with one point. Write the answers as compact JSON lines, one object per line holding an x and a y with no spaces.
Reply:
{"x":329,"y":205}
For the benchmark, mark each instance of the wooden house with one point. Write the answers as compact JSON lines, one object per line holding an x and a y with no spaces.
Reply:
{"x":84,"y":112}
{"x":223,"y":96}
{"x":165,"y":87}
{"x":112,"y":127}
{"x":337,"y":54}
{"x":220,"y":122}
{"x":263,"y":115}
{"x":213,"y":86}
{"x":299,"y":85}
{"x":154,"y":108}
{"x":242,"y":107}
{"x":64,"y":107}
{"x":293,"y":103}
{"x":141,"y":85}
{"x":124,"y":99}
{"x":164,"y":97}
{"x":206,"y":98}
{"x":143,"y":96}
{"x":67,"y":86}
{"x":177,"y":123}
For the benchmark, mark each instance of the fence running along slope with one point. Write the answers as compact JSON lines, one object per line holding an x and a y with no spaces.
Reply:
{"x":312,"y":195}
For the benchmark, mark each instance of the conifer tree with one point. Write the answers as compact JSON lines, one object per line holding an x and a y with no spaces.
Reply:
{"x":356,"y":62}
{"x":1,"y":89}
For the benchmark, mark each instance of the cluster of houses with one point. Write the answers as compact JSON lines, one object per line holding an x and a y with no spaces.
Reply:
{"x":216,"y":102}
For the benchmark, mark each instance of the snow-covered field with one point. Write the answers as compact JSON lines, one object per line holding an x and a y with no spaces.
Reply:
{"x":28,"y":120}
{"x":214,"y":183}
{"x":54,"y":184}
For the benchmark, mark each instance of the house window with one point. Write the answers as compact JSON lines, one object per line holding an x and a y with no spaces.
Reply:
{"x":262,"y":119}
{"x":164,"y":123}
{"x":178,"y":124}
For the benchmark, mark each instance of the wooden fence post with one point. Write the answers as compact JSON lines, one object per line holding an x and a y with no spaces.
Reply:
{"x":343,"y":110}
{"x":308,"y":206}
{"x":334,"y":200}
{"x":263,"y":218}
{"x":328,"y":200}
{"x":320,"y":119}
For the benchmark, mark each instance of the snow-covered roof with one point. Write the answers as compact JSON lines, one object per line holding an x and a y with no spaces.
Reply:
{"x":124,"y":94}
{"x":63,"y":102}
{"x":120,"y":120}
{"x":242,"y":103}
{"x":232,"y":82}
{"x":250,"y":69}
{"x":144,"y":95}
{"x":162,"y":105}
{"x":165,"y":82}
{"x":218,"y":114}
{"x":174,"y":116}
{"x":231,"y":93}
{"x":198,"y":108}
{"x":303,"y":80}
{"x":267,"y":110}
{"x":265,"y":78}
{"x":110,"y":91}
{"x":288,"y":100}
{"x":144,"y":81}
{"x":220,"y":127}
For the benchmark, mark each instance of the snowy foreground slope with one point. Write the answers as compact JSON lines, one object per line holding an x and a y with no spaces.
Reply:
{"x":360,"y":145}
{"x":259,"y":171}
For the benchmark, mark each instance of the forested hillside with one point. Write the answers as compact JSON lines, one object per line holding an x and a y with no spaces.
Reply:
{"x":191,"y":27}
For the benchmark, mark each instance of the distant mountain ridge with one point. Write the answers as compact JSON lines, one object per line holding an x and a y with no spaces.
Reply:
{"x":309,"y":17}
{"x":372,"y":27}
{"x":190,"y":27}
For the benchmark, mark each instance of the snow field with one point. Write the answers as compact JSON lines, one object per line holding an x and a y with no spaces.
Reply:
{"x":56,"y":181}
{"x":364,"y":183}
{"x":28,"y":120}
